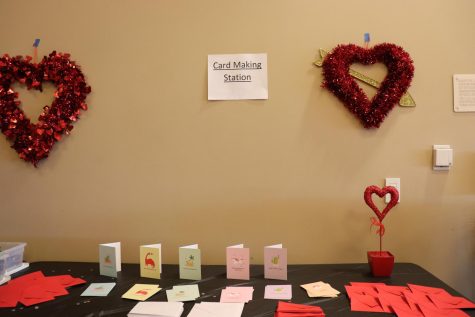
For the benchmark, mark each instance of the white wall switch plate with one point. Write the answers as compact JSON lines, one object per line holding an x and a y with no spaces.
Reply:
{"x":395,"y":182}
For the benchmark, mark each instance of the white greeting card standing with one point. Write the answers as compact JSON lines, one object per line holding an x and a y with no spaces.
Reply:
{"x":109,"y":259}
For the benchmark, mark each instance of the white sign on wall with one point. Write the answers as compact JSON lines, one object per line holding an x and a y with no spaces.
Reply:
{"x":464,"y":93}
{"x":237,"y":76}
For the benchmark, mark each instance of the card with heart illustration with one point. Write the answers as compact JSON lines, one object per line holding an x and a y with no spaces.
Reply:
{"x":237,"y":262}
{"x":151,"y":260}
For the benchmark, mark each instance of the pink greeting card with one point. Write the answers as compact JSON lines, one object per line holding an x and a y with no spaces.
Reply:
{"x":237,"y":262}
{"x":275,"y":262}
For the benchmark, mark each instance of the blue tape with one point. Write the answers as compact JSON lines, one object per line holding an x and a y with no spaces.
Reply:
{"x":36,"y":43}
{"x":366,"y":37}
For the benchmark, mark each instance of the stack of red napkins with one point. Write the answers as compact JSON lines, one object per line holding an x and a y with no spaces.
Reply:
{"x":35,"y":288}
{"x":285,"y":309}
{"x":411,"y":301}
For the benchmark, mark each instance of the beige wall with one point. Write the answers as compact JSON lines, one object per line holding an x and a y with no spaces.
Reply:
{"x":154,"y":161}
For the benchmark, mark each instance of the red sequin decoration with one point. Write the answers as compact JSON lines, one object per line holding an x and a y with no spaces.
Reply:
{"x":337,"y":79}
{"x":33,"y":142}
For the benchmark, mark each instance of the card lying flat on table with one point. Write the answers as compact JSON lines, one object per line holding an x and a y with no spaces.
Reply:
{"x":156,"y":309}
{"x":141,"y":291}
{"x":320,"y":289}
{"x":98,"y":289}
{"x":241,"y":294}
{"x":278,"y":292}
{"x":183,"y":293}
{"x":213,"y":309}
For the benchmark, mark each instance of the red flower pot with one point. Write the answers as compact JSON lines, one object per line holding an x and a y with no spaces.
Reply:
{"x":381,"y":263}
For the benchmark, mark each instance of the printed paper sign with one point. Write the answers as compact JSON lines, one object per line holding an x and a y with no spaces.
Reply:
{"x":237,"y":76}
{"x":464,"y":93}
{"x":151,"y":260}
{"x":237,"y":262}
{"x":275,"y":262}
{"x":109,"y":259}
{"x":190,"y":262}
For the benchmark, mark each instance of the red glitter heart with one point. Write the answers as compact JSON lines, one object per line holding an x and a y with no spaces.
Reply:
{"x":33,"y":142}
{"x":381,"y":192}
{"x":336,"y":66}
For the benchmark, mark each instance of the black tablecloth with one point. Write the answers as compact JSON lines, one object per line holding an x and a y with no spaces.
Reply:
{"x":214,"y":280}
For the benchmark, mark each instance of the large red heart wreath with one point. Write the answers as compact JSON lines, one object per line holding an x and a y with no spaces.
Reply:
{"x":33,"y":142}
{"x":337,"y":79}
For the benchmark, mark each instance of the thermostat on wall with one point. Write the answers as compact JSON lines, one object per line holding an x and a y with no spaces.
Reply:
{"x":442,"y":157}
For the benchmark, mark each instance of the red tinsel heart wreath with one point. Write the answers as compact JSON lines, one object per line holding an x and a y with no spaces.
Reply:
{"x":370,"y":190}
{"x":33,"y":142}
{"x":336,"y":66}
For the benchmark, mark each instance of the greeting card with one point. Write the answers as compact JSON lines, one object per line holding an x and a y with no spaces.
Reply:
{"x":151,"y":260}
{"x":109,"y":259}
{"x":237,"y":262}
{"x":190,"y":262}
{"x":239,"y":294}
{"x":275,"y":262}
{"x":183,"y":293}
{"x":156,"y":309}
{"x":141,"y":291}
{"x":283,"y":292}
{"x":98,"y":289}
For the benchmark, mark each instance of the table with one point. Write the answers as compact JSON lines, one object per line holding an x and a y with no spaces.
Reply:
{"x":214,"y":279}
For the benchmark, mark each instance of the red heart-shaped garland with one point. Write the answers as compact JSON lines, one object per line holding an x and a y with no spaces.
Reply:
{"x":34,"y":142}
{"x":370,"y":190}
{"x":336,"y":66}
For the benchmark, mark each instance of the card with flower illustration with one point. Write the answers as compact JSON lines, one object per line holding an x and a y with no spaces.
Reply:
{"x":275,"y":262}
{"x":109,"y":259}
{"x":237,"y":262}
{"x":151,"y":260}
{"x":190,"y":262}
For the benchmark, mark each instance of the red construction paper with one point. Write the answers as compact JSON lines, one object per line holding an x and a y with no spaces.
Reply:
{"x":450,"y":302}
{"x":388,"y":300}
{"x":66,"y":280}
{"x":291,"y":307}
{"x":9,"y":296}
{"x":34,"y":301}
{"x":406,"y":311}
{"x":360,"y":290}
{"x":395,"y":290}
{"x":305,"y":314}
{"x":35,"y":288}
{"x":427,"y":290}
{"x":365,"y":303}
{"x":285,"y":309}
{"x":435,"y":312}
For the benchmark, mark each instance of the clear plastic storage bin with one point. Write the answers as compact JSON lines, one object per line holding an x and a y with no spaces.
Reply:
{"x":3,"y":265}
{"x":13,"y":253}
